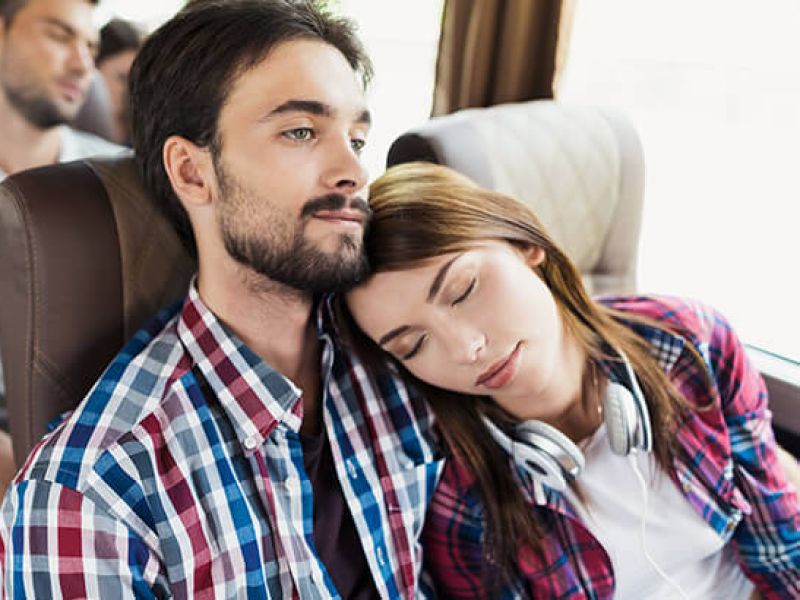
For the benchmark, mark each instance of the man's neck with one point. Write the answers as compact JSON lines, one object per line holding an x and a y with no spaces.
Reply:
{"x":275,"y":322}
{"x":23,"y":145}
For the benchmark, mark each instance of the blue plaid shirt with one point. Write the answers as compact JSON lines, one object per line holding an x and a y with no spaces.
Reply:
{"x":181,"y":475}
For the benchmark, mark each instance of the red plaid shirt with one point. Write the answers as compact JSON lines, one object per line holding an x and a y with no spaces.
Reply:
{"x":732,"y":479}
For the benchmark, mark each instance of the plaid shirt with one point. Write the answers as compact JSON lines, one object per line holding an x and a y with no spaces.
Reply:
{"x":181,"y":475}
{"x":727,"y":471}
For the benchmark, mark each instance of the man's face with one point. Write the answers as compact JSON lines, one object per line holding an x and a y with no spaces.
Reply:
{"x":47,"y":59}
{"x":290,"y":180}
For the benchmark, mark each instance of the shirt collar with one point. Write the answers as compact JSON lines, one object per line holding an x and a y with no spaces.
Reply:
{"x":255,"y":396}
{"x":664,"y":347}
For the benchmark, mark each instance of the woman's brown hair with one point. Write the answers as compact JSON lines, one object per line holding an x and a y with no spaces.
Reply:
{"x":421,"y":211}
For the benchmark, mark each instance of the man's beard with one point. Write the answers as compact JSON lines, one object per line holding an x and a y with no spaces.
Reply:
{"x":39,"y":110}
{"x":283,"y":254}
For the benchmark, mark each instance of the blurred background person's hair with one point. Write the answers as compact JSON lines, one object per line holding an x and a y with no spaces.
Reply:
{"x":119,"y":42}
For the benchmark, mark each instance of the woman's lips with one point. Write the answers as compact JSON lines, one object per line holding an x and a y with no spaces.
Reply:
{"x":501,"y":372}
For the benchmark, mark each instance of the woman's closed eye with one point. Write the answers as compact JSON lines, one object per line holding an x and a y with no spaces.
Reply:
{"x":415,"y":349}
{"x":465,"y":294}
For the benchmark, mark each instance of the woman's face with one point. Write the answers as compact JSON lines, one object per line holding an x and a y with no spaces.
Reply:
{"x":114,"y":70}
{"x":476,"y":322}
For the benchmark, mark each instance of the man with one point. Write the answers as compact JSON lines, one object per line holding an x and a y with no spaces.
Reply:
{"x":47,"y":50}
{"x":233,"y":449}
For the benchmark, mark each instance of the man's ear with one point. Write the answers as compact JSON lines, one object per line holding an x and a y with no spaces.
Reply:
{"x":190,"y":170}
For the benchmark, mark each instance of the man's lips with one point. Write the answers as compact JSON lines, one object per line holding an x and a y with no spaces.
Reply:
{"x":355,"y":217}
{"x":73,"y":90}
{"x":499,"y":373}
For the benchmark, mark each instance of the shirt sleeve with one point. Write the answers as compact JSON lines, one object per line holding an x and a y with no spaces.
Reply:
{"x":768,"y":538}
{"x":56,"y":543}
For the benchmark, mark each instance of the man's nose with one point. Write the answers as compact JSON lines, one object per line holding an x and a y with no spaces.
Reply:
{"x":81,"y":59}
{"x":345,"y":171}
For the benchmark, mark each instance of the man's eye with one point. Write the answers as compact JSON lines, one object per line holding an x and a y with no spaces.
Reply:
{"x":463,"y":296}
{"x":300,"y":134}
{"x":59,"y":35}
{"x":358,"y":144}
{"x":415,"y":350}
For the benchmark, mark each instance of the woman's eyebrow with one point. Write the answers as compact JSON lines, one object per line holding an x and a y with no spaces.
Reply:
{"x":436,"y":285}
{"x":439,"y":279}
{"x":393,"y":334}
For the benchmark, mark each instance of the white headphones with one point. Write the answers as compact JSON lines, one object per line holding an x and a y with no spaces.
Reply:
{"x":553,"y":458}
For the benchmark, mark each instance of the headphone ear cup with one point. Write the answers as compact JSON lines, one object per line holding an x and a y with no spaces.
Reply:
{"x":621,"y":418}
{"x":543,"y":445}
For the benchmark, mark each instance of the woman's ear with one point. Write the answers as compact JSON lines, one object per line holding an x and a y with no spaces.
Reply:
{"x":534,"y":255}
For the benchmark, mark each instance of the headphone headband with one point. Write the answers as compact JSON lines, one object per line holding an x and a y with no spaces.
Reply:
{"x":550,"y":456}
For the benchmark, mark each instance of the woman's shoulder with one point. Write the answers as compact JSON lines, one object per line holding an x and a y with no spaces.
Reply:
{"x":689,"y":318}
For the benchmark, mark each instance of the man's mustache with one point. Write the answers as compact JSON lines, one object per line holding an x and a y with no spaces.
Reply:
{"x":335,"y":202}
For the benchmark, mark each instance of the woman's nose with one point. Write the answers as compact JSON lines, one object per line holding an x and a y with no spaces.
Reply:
{"x":466,"y":345}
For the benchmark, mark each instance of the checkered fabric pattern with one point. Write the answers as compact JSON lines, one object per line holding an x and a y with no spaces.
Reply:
{"x":727,"y":471}
{"x":181,"y":476}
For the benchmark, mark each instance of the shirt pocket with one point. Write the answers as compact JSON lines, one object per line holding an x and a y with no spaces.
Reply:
{"x":408,"y":491}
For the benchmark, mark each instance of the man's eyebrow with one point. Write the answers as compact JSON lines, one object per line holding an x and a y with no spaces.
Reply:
{"x":439,"y":279}
{"x":68,"y":29}
{"x":313,"y":107}
{"x":365,"y":118}
{"x":393,"y":334}
{"x":60,"y":24}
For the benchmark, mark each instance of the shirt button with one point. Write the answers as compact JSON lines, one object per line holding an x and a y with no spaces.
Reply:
{"x":729,"y":526}
{"x":291,"y":484}
{"x":250,"y":443}
{"x":687,"y":487}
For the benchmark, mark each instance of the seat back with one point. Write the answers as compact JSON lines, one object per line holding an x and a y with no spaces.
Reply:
{"x":581,"y":170}
{"x":87,"y":259}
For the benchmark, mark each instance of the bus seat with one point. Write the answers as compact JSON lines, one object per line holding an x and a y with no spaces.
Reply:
{"x":87,"y":258}
{"x":580,"y":168}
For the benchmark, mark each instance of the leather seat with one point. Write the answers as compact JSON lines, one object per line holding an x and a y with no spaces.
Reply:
{"x":87,"y":259}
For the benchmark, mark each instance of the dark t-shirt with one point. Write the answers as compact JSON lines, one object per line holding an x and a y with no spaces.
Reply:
{"x":335,"y":536}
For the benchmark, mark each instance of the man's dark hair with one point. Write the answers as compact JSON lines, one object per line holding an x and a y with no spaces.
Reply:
{"x":118,"y":36}
{"x":183,"y":74}
{"x":9,"y":9}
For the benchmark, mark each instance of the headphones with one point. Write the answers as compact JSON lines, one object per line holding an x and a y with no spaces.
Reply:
{"x":550,"y":456}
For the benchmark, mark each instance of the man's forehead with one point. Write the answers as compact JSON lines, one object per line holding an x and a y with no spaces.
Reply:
{"x":302,"y":76}
{"x":77,"y":15}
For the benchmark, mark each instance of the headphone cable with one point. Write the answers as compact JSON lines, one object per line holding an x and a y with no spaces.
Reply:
{"x":642,"y":532}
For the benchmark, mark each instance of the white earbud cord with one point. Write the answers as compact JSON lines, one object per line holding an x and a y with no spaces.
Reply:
{"x":642,"y":532}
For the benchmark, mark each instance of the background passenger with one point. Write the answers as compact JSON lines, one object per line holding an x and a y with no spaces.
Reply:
{"x":119,"y":42}
{"x":47,"y":50}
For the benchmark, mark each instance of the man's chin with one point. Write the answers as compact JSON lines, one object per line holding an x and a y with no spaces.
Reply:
{"x":341,"y":246}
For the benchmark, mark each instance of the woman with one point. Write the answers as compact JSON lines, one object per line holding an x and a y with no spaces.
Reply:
{"x":596,"y":448}
{"x":119,"y":43}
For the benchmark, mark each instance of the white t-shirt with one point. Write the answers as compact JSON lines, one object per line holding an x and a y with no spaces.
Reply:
{"x":79,"y":144}
{"x":680,"y":542}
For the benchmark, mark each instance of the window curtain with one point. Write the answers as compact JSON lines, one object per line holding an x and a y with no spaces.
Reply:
{"x":496,"y":51}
